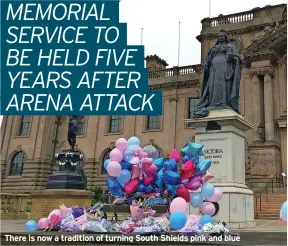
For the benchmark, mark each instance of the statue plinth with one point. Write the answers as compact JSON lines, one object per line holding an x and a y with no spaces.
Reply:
{"x":223,"y":137}
{"x":67,"y":177}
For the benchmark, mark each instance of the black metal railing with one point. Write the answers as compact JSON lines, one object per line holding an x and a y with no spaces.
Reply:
{"x":277,"y":181}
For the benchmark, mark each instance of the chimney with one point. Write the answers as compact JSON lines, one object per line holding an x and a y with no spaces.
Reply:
{"x":154,"y":62}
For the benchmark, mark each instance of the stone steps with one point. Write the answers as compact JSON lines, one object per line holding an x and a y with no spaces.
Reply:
{"x":270,"y":205}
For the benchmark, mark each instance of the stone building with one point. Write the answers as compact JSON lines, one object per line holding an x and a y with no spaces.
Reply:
{"x":260,"y":35}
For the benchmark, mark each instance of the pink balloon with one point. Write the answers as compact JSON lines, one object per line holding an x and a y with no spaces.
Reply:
{"x":149,"y":167}
{"x":138,"y":151}
{"x":178,"y":204}
{"x":121,"y":144}
{"x":116,"y":155}
{"x":175,"y":155}
{"x":55,"y":211}
{"x":114,"y":169}
{"x":131,"y":187}
{"x":207,"y":208}
{"x":207,"y":177}
{"x":148,"y":180}
{"x":216,"y":196}
{"x":43,"y":223}
{"x":135,"y":173}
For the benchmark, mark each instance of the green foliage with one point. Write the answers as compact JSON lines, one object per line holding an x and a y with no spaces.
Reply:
{"x":28,"y":209}
{"x":98,"y":194}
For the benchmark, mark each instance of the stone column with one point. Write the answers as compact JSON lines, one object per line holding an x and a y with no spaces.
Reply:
{"x":268,"y":108}
{"x":256,"y":98}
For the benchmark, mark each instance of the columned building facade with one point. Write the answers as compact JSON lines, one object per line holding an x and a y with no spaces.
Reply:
{"x":260,"y":35}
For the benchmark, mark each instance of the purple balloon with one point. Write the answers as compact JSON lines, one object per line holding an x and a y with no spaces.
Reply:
{"x":194,"y":183}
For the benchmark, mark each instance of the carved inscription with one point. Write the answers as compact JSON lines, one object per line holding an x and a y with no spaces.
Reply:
{"x":215,"y":154}
{"x":263,"y":163}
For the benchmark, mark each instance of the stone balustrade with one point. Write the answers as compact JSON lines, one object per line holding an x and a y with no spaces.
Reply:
{"x":231,"y":19}
{"x":15,"y":206}
{"x":174,"y":71}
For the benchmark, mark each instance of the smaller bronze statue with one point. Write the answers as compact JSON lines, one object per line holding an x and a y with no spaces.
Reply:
{"x":72,"y":131}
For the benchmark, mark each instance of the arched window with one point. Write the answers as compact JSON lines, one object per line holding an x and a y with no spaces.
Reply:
{"x":104,"y":158}
{"x":24,"y":124}
{"x":17,"y":164}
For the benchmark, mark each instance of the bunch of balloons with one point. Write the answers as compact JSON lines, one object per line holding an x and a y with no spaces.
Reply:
{"x":131,"y":167}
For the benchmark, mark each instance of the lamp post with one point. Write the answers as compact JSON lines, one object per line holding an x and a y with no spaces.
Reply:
{"x":55,"y":141}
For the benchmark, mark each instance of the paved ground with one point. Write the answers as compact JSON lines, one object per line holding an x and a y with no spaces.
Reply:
{"x":261,"y":226}
{"x":266,"y":232}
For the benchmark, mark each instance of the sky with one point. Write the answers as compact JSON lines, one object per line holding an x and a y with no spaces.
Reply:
{"x":160,"y":22}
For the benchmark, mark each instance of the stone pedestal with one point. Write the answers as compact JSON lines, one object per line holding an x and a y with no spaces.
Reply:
{"x":222,"y":134}
{"x":43,"y":202}
{"x":67,"y":177}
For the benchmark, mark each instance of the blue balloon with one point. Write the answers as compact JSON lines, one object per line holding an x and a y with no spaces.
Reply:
{"x":195,"y":159}
{"x":205,"y":219}
{"x":204,"y":165}
{"x":178,"y":220}
{"x":171,"y":189}
{"x":114,"y":187}
{"x":31,"y":226}
{"x":148,"y":189}
{"x":170,"y":165}
{"x":106,"y":163}
{"x":207,"y":190}
{"x":159,"y":163}
{"x":125,"y":165}
{"x":159,"y":181}
{"x":185,"y":159}
{"x":141,"y":187}
{"x":193,"y":149}
{"x":171,"y":178}
{"x":283,"y":211}
{"x":196,"y":200}
{"x":133,"y":141}
{"x":124,"y":177}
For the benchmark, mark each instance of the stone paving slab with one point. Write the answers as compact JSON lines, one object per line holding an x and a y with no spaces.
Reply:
{"x":265,"y":233}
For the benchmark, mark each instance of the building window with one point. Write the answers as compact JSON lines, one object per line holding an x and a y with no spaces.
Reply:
{"x":153,"y":123}
{"x":191,"y":107}
{"x":17,"y":164}
{"x":24,"y":125}
{"x":105,"y":157}
{"x":114,"y":125}
{"x":81,"y":126}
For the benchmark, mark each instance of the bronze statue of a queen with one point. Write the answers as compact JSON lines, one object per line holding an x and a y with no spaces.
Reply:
{"x":221,"y":81}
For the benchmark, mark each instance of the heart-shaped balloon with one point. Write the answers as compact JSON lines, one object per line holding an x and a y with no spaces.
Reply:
{"x":187,"y":170}
{"x":194,"y":183}
{"x":148,"y":179}
{"x":131,"y":187}
{"x":183,"y":192}
{"x":175,"y":155}
{"x":149,"y":167}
